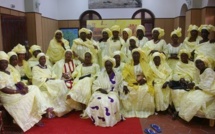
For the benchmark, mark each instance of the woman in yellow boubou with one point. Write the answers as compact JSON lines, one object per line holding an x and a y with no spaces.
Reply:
{"x":137,"y":96}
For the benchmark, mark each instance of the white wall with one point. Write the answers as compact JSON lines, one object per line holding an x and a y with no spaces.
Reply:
{"x":19,"y":4}
{"x":49,"y":8}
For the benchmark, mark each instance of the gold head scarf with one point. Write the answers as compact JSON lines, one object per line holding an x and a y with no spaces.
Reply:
{"x":141,"y":27}
{"x":108,"y":31}
{"x":128,"y":31}
{"x":40,"y":55}
{"x":176,"y":32}
{"x":34,"y":48}
{"x":184,"y":51}
{"x":192,"y":27}
{"x":160,"y":30}
{"x":141,"y":52}
{"x":107,"y":58}
{"x":83,"y":30}
{"x":19,"y":49}
{"x":58,"y":31}
{"x":204,"y":59}
{"x":3,"y":56}
{"x":115,"y":28}
{"x":161,"y":55}
{"x":134,"y":38}
{"x":11,"y":53}
{"x":209,"y":28}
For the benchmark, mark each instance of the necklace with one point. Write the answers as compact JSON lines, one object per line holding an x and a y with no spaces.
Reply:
{"x":43,"y":67}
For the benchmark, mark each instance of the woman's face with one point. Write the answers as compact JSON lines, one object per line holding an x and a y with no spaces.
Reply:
{"x":194,"y":33}
{"x":35,"y":53}
{"x":125,"y":35}
{"x":115,"y":34}
{"x":200,"y":64}
{"x":13,"y":60}
{"x":87,"y":58}
{"x":132,"y":44}
{"x":174,"y":38}
{"x":105,"y":35}
{"x":136,"y":56}
{"x":89,"y":36}
{"x":109,"y":67}
{"x":157,"y":60}
{"x":3,"y":65}
{"x":139,"y":33}
{"x":58,"y":36}
{"x":68,"y":55}
{"x":204,"y":33}
{"x":117,"y":58}
{"x":83,"y":35}
{"x":21,"y":56}
{"x":155,"y":34}
{"x":42,"y":60}
{"x":184,"y":57}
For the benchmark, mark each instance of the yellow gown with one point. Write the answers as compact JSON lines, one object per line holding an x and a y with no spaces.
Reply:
{"x":151,"y":45}
{"x":115,"y":45}
{"x":190,"y":46}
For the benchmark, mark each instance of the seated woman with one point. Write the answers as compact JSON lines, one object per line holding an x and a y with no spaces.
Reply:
{"x":25,"y":104}
{"x":22,"y":66}
{"x":118,"y":56}
{"x":65,"y":67}
{"x":84,"y":76}
{"x":104,"y":106}
{"x":200,"y":101}
{"x":53,"y":89}
{"x":160,"y":75}
{"x":182,"y":76}
{"x":137,"y":95}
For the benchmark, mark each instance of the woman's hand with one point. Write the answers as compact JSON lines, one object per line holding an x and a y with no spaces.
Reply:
{"x":66,"y":76}
{"x":125,"y":89}
{"x":190,"y":85}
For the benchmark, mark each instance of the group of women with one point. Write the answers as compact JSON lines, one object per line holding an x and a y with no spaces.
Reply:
{"x":113,"y":79}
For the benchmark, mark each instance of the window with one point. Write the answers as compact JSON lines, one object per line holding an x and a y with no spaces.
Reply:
{"x":147,"y":19}
{"x":88,"y":15}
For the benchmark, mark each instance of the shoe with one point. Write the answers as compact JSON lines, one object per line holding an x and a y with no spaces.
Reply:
{"x":149,"y":131}
{"x":156,"y":128}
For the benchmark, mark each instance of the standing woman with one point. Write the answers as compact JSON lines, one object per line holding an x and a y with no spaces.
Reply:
{"x":84,"y":76}
{"x":132,"y":45}
{"x":140,"y":34}
{"x":137,"y":96}
{"x":160,"y":75}
{"x":173,"y":48}
{"x":53,"y":89}
{"x":104,"y":106}
{"x":156,"y":44}
{"x":24,"y":103}
{"x":57,"y":46}
{"x":200,"y":101}
{"x":126,"y":34}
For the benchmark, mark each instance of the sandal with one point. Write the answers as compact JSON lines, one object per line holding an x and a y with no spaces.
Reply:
{"x":149,"y":131}
{"x":50,"y":113}
{"x":156,"y":128}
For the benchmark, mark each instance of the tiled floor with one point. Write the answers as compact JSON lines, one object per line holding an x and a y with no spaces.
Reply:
{"x":178,"y":126}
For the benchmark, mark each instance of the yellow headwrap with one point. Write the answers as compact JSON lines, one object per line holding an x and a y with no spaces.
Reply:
{"x":184,"y":51}
{"x":83,"y":30}
{"x":115,"y":28}
{"x":3,"y":56}
{"x":68,"y":50}
{"x":134,"y":38}
{"x":192,"y":27}
{"x":160,"y":30}
{"x":209,"y":28}
{"x":176,"y":32}
{"x":141,"y":52}
{"x":19,"y":49}
{"x":89,"y":31}
{"x":107,"y":58}
{"x":58,"y":31}
{"x":161,"y":55}
{"x":108,"y":31}
{"x":128,"y":31}
{"x":141,"y":27}
{"x":34,"y":48}
{"x":40,"y":55}
{"x":11,"y":53}
{"x":204,"y":59}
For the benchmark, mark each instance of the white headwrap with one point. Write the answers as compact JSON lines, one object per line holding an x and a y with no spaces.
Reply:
{"x":115,"y":28}
{"x":176,"y":32}
{"x":128,"y":31}
{"x":40,"y":55}
{"x":3,"y":56}
{"x":107,"y":58}
{"x":19,"y":49}
{"x":34,"y":48}
{"x":141,"y":27}
{"x":11,"y":53}
{"x":209,"y":28}
{"x":160,"y":30}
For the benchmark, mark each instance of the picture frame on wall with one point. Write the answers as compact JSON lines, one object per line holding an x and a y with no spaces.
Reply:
{"x":99,"y":4}
{"x":70,"y":34}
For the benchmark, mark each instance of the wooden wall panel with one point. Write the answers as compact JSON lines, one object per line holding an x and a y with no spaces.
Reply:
{"x":31,"y":28}
{"x":68,"y":23}
{"x":49,"y":26}
{"x":167,"y":24}
{"x":1,"y":41}
{"x":15,"y":13}
{"x":4,"y":10}
{"x":38,"y":27}
{"x":74,"y":23}
{"x":63,"y":23}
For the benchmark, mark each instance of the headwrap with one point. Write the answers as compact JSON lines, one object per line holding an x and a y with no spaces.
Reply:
{"x":141,"y":27}
{"x":134,"y":38}
{"x":89,"y":31}
{"x":19,"y":49}
{"x":204,"y":59}
{"x":34,"y":48}
{"x":83,"y":30}
{"x":11,"y":53}
{"x":192,"y":27}
{"x":108,"y":31}
{"x":58,"y":31}
{"x":107,"y":58}
{"x":120,"y":54}
{"x":141,"y":52}
{"x":160,"y":30}
{"x":128,"y":31}
{"x":40,"y":55}
{"x":68,"y":50}
{"x":184,"y":51}
{"x":161,"y":55}
{"x":176,"y":32}
{"x":92,"y":58}
{"x":115,"y":28}
{"x":209,"y":28}
{"x":3,"y":56}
